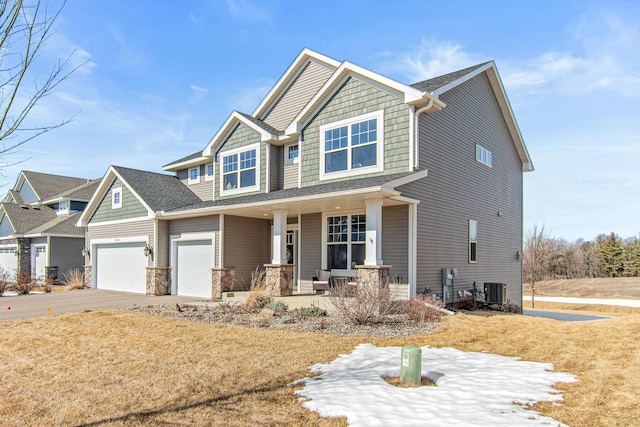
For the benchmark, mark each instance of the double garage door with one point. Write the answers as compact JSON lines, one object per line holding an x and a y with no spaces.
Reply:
{"x":122,"y":267}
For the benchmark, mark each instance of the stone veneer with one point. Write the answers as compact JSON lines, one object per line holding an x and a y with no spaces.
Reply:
{"x":87,"y":276}
{"x":279,"y":279}
{"x":158,"y":281}
{"x":373,"y":274}
{"x":222,"y":280}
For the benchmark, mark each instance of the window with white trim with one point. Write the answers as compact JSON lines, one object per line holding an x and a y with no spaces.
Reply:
{"x":63,"y":207}
{"x":291,"y":154}
{"x":473,"y":241}
{"x":353,"y":146}
{"x":345,"y":241}
{"x":484,"y":156}
{"x":116,"y":198}
{"x":194,"y":175}
{"x":209,"y":173}
{"x":240,"y":170}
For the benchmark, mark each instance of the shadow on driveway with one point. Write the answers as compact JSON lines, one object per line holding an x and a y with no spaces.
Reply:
{"x":34,"y":305}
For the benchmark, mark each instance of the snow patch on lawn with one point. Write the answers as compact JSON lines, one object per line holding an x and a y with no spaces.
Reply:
{"x":477,"y":389}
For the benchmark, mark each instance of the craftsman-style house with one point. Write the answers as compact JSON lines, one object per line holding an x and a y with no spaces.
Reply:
{"x":338,"y":168}
{"x":38,"y":233}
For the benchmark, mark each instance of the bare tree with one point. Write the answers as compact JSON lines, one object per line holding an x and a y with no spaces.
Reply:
{"x":536,"y":248}
{"x":24,"y":31}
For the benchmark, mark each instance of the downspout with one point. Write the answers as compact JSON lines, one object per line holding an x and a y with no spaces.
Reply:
{"x":416,"y":130}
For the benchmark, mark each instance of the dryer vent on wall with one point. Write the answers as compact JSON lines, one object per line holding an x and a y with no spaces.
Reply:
{"x":495,"y":293}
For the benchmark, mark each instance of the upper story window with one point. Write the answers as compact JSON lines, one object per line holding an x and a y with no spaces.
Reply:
{"x":291,"y":153}
{"x":116,"y":198}
{"x":63,"y":207}
{"x":352,"y":146}
{"x":484,"y":156}
{"x":194,"y":175}
{"x":240,"y":170}
{"x":473,"y":241}
{"x":209,"y":173}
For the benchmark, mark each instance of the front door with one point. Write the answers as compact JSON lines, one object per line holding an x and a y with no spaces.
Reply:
{"x":292,"y":255}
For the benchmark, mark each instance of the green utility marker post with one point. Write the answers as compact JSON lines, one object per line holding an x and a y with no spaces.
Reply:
{"x":411,"y":365}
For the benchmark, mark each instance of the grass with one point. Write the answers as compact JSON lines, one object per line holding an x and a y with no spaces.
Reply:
{"x":124,"y":368}
{"x":615,"y":287}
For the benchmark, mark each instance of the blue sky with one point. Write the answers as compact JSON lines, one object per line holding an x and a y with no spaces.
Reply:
{"x":161,"y":77}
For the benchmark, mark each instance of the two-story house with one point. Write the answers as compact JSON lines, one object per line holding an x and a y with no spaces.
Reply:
{"x":38,"y":232}
{"x":338,"y":168}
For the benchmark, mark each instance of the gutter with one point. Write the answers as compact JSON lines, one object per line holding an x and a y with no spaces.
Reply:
{"x":416,"y":130}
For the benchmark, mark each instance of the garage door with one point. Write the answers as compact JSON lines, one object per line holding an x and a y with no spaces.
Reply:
{"x":121,"y":267}
{"x":8,"y":259}
{"x":194,"y":260}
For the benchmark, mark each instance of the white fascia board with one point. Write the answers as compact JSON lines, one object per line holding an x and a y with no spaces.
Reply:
{"x":406,"y":179}
{"x":464,"y":78}
{"x":289,"y":75}
{"x":75,"y":236}
{"x":27,"y":181}
{"x":187,"y":163}
{"x":228,"y":126}
{"x":60,"y":199}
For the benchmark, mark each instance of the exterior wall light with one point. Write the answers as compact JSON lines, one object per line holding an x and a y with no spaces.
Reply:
{"x":148,"y":250}
{"x":85,"y":252}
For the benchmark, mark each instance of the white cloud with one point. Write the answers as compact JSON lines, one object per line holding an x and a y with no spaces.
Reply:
{"x":249,"y":97}
{"x":244,"y":10}
{"x":198,"y":93}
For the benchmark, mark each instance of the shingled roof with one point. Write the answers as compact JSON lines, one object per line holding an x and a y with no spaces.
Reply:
{"x":63,"y":224}
{"x":159,"y":191}
{"x":82,"y":192}
{"x":25,"y":218}
{"x":436,"y":83}
{"x":47,"y":186}
{"x":193,"y":156}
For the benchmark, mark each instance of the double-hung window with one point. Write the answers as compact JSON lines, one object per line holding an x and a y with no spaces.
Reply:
{"x":345,"y":241}
{"x":209,"y":172}
{"x":240,"y":170}
{"x":291,"y":153}
{"x":194,"y":175}
{"x":116,"y":198}
{"x":352,"y":146}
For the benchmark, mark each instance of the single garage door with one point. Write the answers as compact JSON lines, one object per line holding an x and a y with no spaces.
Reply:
{"x":8,"y":259}
{"x":193,"y":262}
{"x":121,"y":267}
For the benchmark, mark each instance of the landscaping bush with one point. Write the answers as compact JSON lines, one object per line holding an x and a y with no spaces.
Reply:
{"x":312,"y":312}
{"x":4,"y":280}
{"x":363,"y":304}
{"x":279,"y":307}
{"x":24,"y":284}
{"x":258,"y":297}
{"x":424,"y":309}
{"x":74,"y":279}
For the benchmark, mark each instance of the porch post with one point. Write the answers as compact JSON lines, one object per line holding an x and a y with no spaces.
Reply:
{"x":279,"y":237}
{"x":373,"y":245}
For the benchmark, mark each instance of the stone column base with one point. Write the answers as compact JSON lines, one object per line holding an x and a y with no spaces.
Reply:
{"x":87,"y":276}
{"x":158,"y":281}
{"x":377,"y":275}
{"x":279,"y":279}
{"x":222,"y":280}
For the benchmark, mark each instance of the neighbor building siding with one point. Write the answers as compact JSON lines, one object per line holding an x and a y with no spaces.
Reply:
{"x":247,"y":245}
{"x":178,"y":227}
{"x":117,"y":231}
{"x":310,"y":248}
{"x":355,"y":98}
{"x":66,"y":254}
{"x":202,"y":189}
{"x":296,"y":96}
{"x":459,"y":189}
{"x":131,"y":206}
{"x":395,"y":241}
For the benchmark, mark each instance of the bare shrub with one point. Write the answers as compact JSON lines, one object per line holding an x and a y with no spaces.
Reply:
{"x":24,"y":283}
{"x":424,"y":309}
{"x":258,"y":296}
{"x":4,"y":280}
{"x":364,"y":304}
{"x":73,"y":279}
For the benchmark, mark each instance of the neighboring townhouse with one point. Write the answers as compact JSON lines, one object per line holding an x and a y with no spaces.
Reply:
{"x":338,"y":168}
{"x":38,"y":233}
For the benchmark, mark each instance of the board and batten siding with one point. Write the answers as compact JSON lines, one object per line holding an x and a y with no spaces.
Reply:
{"x":459,"y":189}
{"x":241,"y":136}
{"x":395,"y":242}
{"x":178,"y":227}
{"x":203,"y":188}
{"x":310,"y":249}
{"x":298,"y":94}
{"x":126,"y":229}
{"x":131,"y":206}
{"x":352,"y":99}
{"x":247,"y":245}
{"x":66,"y":254}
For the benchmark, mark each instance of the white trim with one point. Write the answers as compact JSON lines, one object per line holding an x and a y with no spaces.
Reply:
{"x":299,"y":161}
{"x":119,"y":221}
{"x":195,"y":180}
{"x":470,"y":241}
{"x":114,"y":204}
{"x":413,"y":249}
{"x":208,"y":177}
{"x":187,"y":237}
{"x":484,"y":154}
{"x":113,"y":240}
{"x":378,"y":167}
{"x":221,"y":241}
{"x":239,"y":190}
{"x":228,"y":127}
{"x":267,"y":172}
{"x":340,"y":272}
{"x":287,"y":159}
{"x":31,"y":236}
{"x":412,"y":146}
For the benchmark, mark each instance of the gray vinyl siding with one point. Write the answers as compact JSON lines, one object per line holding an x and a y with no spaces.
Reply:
{"x":290,"y":176}
{"x":247,"y":244}
{"x":131,"y":206}
{"x":458,"y":189}
{"x":241,"y":136}
{"x":127,"y":229}
{"x":198,"y":225}
{"x":310,"y":248}
{"x":276,"y":163}
{"x":161,"y":248}
{"x":395,"y":241}
{"x":301,"y":90}
{"x":5,"y":227}
{"x":202,"y":189}
{"x":66,"y":254}
{"x":355,"y":98}
{"x":27,"y":193}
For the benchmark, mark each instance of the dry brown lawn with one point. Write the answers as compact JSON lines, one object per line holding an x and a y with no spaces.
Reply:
{"x":615,"y":287}
{"x":125,"y":368}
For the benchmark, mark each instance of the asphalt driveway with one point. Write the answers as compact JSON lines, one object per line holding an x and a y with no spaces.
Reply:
{"x":24,"y":306}
{"x":567,"y":317}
